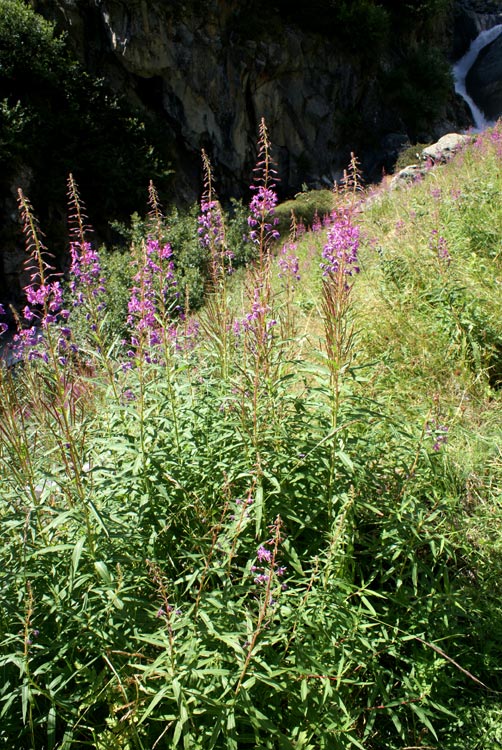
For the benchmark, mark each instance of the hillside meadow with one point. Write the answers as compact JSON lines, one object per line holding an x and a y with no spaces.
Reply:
{"x":274,"y":521}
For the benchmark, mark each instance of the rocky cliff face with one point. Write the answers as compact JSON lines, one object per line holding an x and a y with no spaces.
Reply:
{"x":484,"y":81}
{"x":206,"y":71}
{"x":469,"y":19}
{"x":209,"y":71}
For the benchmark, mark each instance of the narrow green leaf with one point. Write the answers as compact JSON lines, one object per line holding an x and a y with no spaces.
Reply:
{"x":25,"y":699}
{"x":117,"y":603}
{"x":155,"y":700}
{"x":422,"y":715}
{"x":258,"y":508}
{"x":304,"y":690}
{"x":103,"y":572}
{"x":346,"y":460}
{"x":51,"y":728}
{"x":355,"y":742}
{"x":231,"y":720}
{"x":77,"y":553}
{"x":177,"y":733}
{"x":367,"y":604}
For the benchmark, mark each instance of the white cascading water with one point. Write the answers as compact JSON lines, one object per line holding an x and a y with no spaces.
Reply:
{"x":462,"y":67}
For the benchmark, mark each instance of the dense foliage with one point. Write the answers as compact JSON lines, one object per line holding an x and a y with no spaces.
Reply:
{"x":275,"y":525}
{"x":56,"y":118}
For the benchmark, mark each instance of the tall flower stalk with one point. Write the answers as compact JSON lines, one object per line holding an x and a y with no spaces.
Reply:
{"x":262,"y":233}
{"x":217,"y":318}
{"x":148,"y":319}
{"x":339,"y":265}
{"x":262,"y":222}
{"x":45,"y":311}
{"x":152,"y":304}
{"x":87,"y":282}
{"x":256,"y":329}
{"x":268,"y":581}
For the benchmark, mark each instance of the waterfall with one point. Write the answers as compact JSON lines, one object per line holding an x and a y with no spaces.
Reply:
{"x":462,"y":67}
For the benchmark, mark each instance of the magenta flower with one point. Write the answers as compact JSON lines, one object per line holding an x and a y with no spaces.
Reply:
{"x":255,"y":322}
{"x":340,"y":251}
{"x":288,"y":262}
{"x":184,"y":336}
{"x":263,"y":554}
{"x":211,"y":231}
{"x":48,"y":295}
{"x":85,"y":270}
{"x":268,"y":567}
{"x":3,"y":326}
{"x":261,"y":220}
{"x":439,"y":432}
{"x":155,"y":286}
{"x":439,"y":245}
{"x":316,"y":224}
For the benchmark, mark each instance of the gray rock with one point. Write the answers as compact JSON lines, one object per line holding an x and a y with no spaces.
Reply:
{"x":445,"y":148}
{"x":409,"y":174}
{"x":438,"y":153}
{"x":469,"y":19}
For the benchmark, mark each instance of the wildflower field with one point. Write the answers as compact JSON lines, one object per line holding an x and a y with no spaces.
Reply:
{"x":273,"y":523}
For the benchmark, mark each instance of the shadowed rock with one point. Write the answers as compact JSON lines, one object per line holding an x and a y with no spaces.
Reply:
{"x":484,"y":80}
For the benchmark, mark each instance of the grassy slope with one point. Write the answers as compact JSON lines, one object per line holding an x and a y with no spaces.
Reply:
{"x":427,"y":311}
{"x":428,"y":301}
{"x":427,"y":308}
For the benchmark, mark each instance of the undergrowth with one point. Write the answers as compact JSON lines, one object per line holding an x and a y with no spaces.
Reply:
{"x":274,"y":524}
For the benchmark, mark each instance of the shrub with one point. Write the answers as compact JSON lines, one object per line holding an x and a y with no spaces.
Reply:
{"x":305,"y":206}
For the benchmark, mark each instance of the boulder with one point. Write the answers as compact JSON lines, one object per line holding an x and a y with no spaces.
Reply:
{"x":411,"y":173}
{"x":446,"y":147}
{"x":438,"y":153}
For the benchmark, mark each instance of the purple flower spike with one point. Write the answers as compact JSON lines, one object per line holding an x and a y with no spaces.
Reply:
{"x":261,"y":220}
{"x":155,"y":285}
{"x":211,"y":231}
{"x":289,"y":264}
{"x":85,"y":269}
{"x":340,"y":251}
{"x":439,"y":245}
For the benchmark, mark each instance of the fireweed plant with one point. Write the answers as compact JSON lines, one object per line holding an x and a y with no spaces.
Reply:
{"x":88,"y":291}
{"x":216,"y":321}
{"x":224,"y":539}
